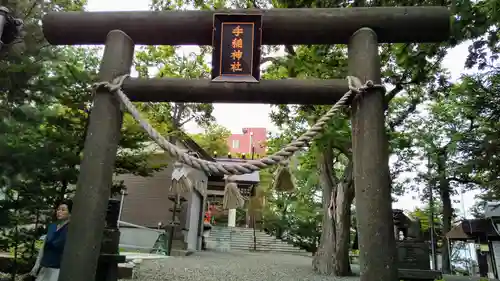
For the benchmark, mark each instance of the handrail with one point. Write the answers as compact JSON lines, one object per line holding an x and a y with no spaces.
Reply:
{"x":139,"y":226}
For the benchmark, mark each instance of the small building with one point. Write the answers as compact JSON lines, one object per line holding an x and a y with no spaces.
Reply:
{"x":250,"y":141}
{"x":147,"y":209}
{"x":483,"y":233}
{"x":216,"y":185}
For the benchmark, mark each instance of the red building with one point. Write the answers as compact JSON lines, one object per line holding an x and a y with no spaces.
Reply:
{"x":251,"y":137}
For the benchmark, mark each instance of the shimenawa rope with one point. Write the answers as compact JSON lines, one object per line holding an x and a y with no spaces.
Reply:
{"x":355,"y":87}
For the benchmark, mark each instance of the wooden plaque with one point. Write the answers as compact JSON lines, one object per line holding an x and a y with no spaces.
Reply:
{"x":237,"y":40}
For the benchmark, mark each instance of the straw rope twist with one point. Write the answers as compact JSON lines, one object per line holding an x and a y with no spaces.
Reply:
{"x":355,"y":87}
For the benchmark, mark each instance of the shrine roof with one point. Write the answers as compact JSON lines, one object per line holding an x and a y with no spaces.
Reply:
{"x":473,"y":228}
{"x":252,"y":178}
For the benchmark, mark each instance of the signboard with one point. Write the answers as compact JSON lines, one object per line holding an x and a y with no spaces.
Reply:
{"x":237,"y":40}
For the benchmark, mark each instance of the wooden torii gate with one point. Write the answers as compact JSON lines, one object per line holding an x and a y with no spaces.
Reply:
{"x":361,"y":28}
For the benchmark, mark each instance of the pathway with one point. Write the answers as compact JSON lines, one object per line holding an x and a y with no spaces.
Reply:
{"x":239,"y":266}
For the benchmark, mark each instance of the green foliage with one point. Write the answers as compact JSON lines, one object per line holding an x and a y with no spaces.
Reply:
{"x":424,"y":214}
{"x":165,"y":62}
{"x":37,"y":162}
{"x":45,"y":101}
{"x":293,"y":216}
{"x":213,"y":140}
{"x":480,"y":149}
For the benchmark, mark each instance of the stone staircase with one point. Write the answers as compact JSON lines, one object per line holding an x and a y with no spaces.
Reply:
{"x":237,"y":238}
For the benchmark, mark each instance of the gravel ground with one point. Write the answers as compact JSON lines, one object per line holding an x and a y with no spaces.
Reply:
{"x":233,"y":266}
{"x":239,"y":266}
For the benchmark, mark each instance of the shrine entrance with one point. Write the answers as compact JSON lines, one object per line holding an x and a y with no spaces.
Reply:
{"x":237,"y":37}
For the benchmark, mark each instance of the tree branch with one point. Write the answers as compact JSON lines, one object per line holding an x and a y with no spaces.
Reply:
{"x":389,"y":96}
{"x":465,"y":180}
{"x":289,"y":49}
{"x":268,"y":59}
{"x":401,"y":118}
{"x":344,"y":149}
{"x":185,"y":121}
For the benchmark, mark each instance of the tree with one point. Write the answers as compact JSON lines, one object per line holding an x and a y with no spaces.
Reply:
{"x":214,"y":139}
{"x":29,"y":157}
{"x":295,"y":216}
{"x":407,"y":66}
{"x":424,"y":215}
{"x":170,"y":64}
{"x":167,"y":63}
{"x":480,"y":150}
{"x":44,"y":106}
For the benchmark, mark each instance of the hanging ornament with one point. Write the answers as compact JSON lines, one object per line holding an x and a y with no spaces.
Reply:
{"x":283,"y":181}
{"x":232,"y":196}
{"x":180,"y":181}
{"x":256,"y":202}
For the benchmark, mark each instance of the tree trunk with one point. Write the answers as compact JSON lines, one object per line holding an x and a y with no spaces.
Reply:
{"x":444,"y":189}
{"x":447,"y":216}
{"x":345,"y":195}
{"x":332,"y":256}
{"x":323,"y":261}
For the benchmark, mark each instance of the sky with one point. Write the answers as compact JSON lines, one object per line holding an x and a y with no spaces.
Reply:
{"x":229,"y":115}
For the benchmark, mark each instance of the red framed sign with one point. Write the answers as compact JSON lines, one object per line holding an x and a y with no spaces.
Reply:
{"x":237,"y":41}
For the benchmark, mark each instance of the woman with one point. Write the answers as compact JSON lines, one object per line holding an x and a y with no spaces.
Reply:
{"x":49,"y":259}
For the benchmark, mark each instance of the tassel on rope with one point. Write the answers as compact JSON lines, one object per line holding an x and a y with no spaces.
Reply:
{"x":180,"y":180}
{"x":283,"y":180}
{"x":232,"y":196}
{"x":256,"y":202}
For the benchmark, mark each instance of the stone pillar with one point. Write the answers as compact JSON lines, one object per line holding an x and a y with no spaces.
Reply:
{"x":231,"y":218}
{"x":83,"y":245}
{"x":371,"y":165}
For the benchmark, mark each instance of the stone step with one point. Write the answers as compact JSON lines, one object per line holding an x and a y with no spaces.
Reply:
{"x":251,"y":241}
{"x":243,"y":239}
{"x":248,"y":238}
{"x":261,"y":249}
{"x":417,"y":274}
{"x":261,"y":244}
{"x":250,"y":246}
{"x":264,"y":244}
{"x":288,"y":250}
{"x":251,"y":237}
{"x":239,"y":239}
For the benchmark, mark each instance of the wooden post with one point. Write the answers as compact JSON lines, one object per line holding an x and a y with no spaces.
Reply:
{"x":377,"y":246}
{"x":83,"y":245}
